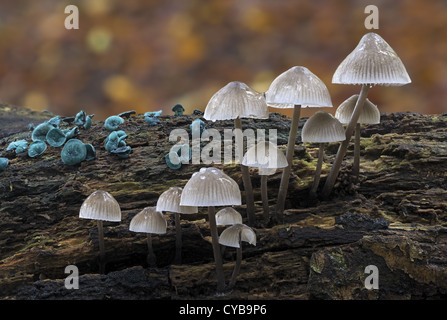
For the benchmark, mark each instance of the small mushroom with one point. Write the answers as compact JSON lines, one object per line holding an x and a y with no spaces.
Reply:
{"x":173,"y":160}
{"x":73,"y":152}
{"x":88,"y":123}
{"x":372,"y":62}
{"x":370,"y":114}
{"x":100,"y":206}
{"x":321,"y":128}
{"x":149,"y":221}
{"x":3,"y":163}
{"x":18,"y":146}
{"x":70,"y":133}
{"x":178,"y":110}
{"x":267,"y":158}
{"x":233,"y":237}
{"x":228,"y":216}
{"x":169,"y":200}
{"x":113,"y":122}
{"x":36,"y":148}
{"x":127,"y":114}
{"x":91,"y":152}
{"x":80,"y":118}
{"x":56,"y":137}
{"x":40,"y":132}
{"x":295,"y":88}
{"x":210,"y":187}
{"x":55,"y":121}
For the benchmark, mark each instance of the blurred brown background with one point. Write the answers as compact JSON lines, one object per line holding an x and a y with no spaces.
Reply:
{"x":148,"y":55}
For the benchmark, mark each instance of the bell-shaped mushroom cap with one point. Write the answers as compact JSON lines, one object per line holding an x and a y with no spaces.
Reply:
{"x":100,"y":205}
{"x":230,"y":236}
{"x":370,"y":114}
{"x":264,"y":154}
{"x":298,"y":86}
{"x":228,"y":216}
{"x":149,"y":220}
{"x":236,"y":100}
{"x":210,"y":187}
{"x":373,"y":61}
{"x":322,"y":127}
{"x":170,"y":201}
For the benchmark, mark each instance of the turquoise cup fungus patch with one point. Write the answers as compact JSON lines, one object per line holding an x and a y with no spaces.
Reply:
{"x":73,"y":152}
{"x":40,"y":132}
{"x":56,"y":137}
{"x":3,"y":163}
{"x":36,"y":148}
{"x":18,"y":146}
{"x":113,"y":122}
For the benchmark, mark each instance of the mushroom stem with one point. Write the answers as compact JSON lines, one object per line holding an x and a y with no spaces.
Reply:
{"x":102,"y":253}
{"x":316,"y":182}
{"x":249,"y":198}
{"x":264,"y":195}
{"x":330,"y":181}
{"x":216,"y":250}
{"x":356,"y":165}
{"x":151,"y":260}
{"x":178,"y":239}
{"x":286,"y":171}
{"x":237,"y":266}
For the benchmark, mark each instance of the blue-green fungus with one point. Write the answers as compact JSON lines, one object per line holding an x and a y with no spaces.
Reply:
{"x":91,"y":152}
{"x":152,"y":121}
{"x":80,"y":118}
{"x":36,"y":148}
{"x":197,"y":112}
{"x":70,"y":133}
{"x":173,"y":160}
{"x":40,"y":132}
{"x":88,"y":123}
{"x":197,"y":127}
{"x":55,"y":121}
{"x":113,"y":122}
{"x":183,"y":151}
{"x":115,"y":140}
{"x":3,"y":163}
{"x":18,"y":146}
{"x":127,"y":114}
{"x":122,"y":152}
{"x":73,"y":152}
{"x":178,"y":110}
{"x":56,"y":137}
{"x":68,"y":120}
{"x":31,"y":126}
{"x":153,"y":113}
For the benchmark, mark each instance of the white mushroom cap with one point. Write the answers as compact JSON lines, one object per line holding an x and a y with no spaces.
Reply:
{"x":100,"y":205}
{"x":264,"y":154}
{"x":298,"y":86}
{"x":149,"y":220}
{"x":322,"y":127}
{"x":210,"y":187}
{"x":170,"y":201}
{"x":228,"y":216}
{"x":370,"y":114}
{"x":236,"y":100}
{"x":373,"y":61}
{"x":230,"y":236}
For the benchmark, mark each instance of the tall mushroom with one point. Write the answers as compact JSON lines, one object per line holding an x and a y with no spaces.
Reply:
{"x":321,"y":128}
{"x":100,"y":206}
{"x":233,"y":237}
{"x":370,"y":115}
{"x":150,"y":221}
{"x":295,"y":88}
{"x":170,"y":201}
{"x":267,"y":158}
{"x":233,"y":102}
{"x":372,"y":62}
{"x":210,"y":187}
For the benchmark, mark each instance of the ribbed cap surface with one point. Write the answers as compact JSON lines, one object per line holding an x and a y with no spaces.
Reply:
{"x":298,"y":86}
{"x":264,"y":154}
{"x":100,"y":205}
{"x":370,"y":114}
{"x":170,"y":201}
{"x":322,"y":127}
{"x":149,"y":220}
{"x":373,"y":61}
{"x":236,"y":100}
{"x":230,"y":236}
{"x":228,"y":216}
{"x":210,"y":187}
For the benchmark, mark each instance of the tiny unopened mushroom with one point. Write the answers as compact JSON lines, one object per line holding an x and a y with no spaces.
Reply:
{"x":210,"y":187}
{"x":3,"y":163}
{"x":100,"y":206}
{"x":372,"y":62}
{"x":178,"y":109}
{"x":267,"y":158}
{"x":295,"y":88}
{"x":233,"y":237}
{"x":169,"y":200}
{"x":321,"y":128}
{"x":149,"y":221}
{"x":370,"y":114}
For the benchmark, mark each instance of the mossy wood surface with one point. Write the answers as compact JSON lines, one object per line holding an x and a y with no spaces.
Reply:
{"x":395,"y":218}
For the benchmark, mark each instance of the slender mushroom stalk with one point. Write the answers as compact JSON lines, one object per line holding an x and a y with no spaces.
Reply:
{"x":151,"y":259}
{"x":313,"y":189}
{"x":178,"y":239}
{"x":237,"y":266}
{"x":265,"y":197}
{"x":100,"y":206}
{"x":220,"y":276}
{"x":372,"y":62}
{"x":296,"y":87}
{"x":356,"y":164}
